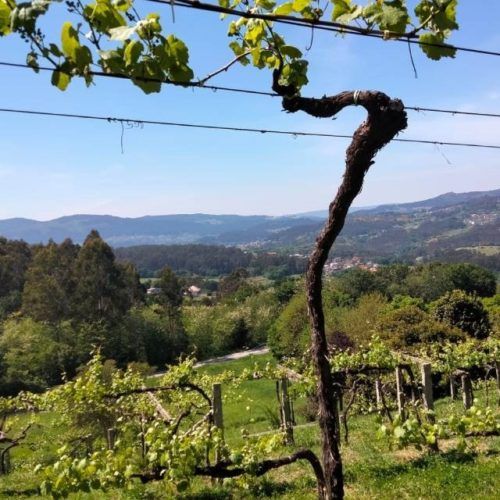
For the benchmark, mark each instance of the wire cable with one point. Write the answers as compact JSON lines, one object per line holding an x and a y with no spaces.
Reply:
{"x":216,"y":88}
{"x":122,"y":120}
{"x":321,"y":25}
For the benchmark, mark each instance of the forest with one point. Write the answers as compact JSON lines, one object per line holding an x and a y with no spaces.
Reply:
{"x":208,"y":260}
{"x":60,"y":301}
{"x":77,"y":316}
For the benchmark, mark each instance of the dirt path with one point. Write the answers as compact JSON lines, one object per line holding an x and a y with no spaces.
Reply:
{"x":228,"y":357}
{"x":235,"y":355}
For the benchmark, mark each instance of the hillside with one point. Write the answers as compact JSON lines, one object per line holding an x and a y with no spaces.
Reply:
{"x":449,"y":225}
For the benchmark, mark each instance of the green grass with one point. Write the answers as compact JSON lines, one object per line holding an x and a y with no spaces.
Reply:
{"x":485,"y":250}
{"x":372,"y":470}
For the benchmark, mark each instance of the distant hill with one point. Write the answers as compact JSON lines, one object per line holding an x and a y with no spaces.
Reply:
{"x":452,"y":222}
{"x":441,"y":201}
{"x":119,"y":231}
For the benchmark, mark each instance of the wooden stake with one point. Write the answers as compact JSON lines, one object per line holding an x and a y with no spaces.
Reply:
{"x":378,"y":392}
{"x":111,"y":435}
{"x":497,"y":375}
{"x":217,"y":407}
{"x":217,"y":416}
{"x":399,"y":391}
{"x":286,"y":412}
{"x":467,"y":395}
{"x":453,"y":391}
{"x":427,"y":393}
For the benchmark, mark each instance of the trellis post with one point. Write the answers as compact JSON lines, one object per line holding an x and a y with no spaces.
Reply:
{"x":399,"y":391}
{"x":467,"y":395}
{"x":286,"y":411}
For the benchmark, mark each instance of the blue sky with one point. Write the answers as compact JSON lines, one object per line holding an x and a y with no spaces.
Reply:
{"x":51,"y":167}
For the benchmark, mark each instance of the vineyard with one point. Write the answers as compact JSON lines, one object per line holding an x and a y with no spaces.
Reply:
{"x":233,"y":429}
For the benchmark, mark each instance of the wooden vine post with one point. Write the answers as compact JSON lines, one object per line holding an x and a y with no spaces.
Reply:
{"x":217,"y":416}
{"x":217,"y":407}
{"x":400,"y":395}
{"x":453,"y":390}
{"x":467,"y":394}
{"x":286,"y":411}
{"x":497,"y":376}
{"x":427,"y":392}
{"x":378,"y":393}
{"x":111,"y":438}
{"x":5,"y":461}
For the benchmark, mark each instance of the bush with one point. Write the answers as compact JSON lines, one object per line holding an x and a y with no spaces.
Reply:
{"x":409,"y":326}
{"x":34,"y":355}
{"x":458,"y":309}
{"x":290,"y":334}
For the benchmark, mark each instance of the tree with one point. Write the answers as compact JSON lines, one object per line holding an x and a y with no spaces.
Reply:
{"x":429,"y":281}
{"x":410,"y":326}
{"x":142,"y":52}
{"x":357,"y":282}
{"x":15,"y":257}
{"x":164,"y":339}
{"x":239,"y":335}
{"x":50,"y":282}
{"x":100,"y":292}
{"x":233,"y":283}
{"x":290,"y":333}
{"x":463,"y":311}
{"x":473,"y":279}
{"x":135,"y":290}
{"x":35,"y":355}
{"x":171,"y":289}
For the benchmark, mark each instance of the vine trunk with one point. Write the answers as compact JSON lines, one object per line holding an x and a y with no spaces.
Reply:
{"x":386,"y":118}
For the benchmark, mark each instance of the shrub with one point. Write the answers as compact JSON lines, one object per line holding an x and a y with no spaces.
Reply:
{"x":410,"y":326}
{"x":458,"y":309}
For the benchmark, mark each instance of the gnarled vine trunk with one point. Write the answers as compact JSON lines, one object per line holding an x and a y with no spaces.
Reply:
{"x":386,"y":117}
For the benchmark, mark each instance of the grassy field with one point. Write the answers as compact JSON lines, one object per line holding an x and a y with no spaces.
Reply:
{"x":485,"y":250}
{"x":372,"y":470}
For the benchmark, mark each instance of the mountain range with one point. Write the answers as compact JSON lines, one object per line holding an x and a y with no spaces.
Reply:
{"x":447,"y":222}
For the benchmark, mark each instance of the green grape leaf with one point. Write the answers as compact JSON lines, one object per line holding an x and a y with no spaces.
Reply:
{"x":132,"y":52}
{"x":83,"y":57}
{"x":60,"y":80}
{"x":344,"y":12}
{"x":236,"y":48}
{"x":178,"y":50}
{"x":148,"y":69}
{"x":181,"y":73}
{"x":340,"y":8}
{"x":300,"y":5}
{"x":432,"y":52}
{"x":103,"y":16}
{"x":5,"y":11}
{"x":446,"y":18}
{"x":122,"y":5}
{"x":71,"y":48}
{"x":255,"y":32}
{"x":290,"y":51}
{"x":393,"y":18}
{"x":70,"y":41}
{"x":55,"y":50}
{"x":283,"y":9}
{"x":266,"y":4}
{"x":112,"y":60}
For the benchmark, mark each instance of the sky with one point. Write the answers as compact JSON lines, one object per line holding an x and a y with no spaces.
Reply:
{"x":51,"y":167}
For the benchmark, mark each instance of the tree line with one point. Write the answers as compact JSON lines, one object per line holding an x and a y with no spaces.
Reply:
{"x":208,"y":260}
{"x":59,"y":302}
{"x":406,"y":306}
